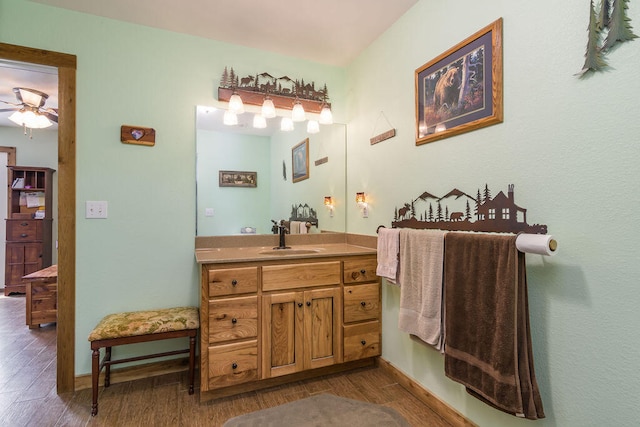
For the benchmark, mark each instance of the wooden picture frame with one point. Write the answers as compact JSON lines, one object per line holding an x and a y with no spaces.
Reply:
{"x":461,"y":89}
{"x":237,"y":179}
{"x":300,"y":161}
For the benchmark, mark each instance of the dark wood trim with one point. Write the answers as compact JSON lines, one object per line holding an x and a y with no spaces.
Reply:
{"x":66,"y":170}
{"x":449,"y":414}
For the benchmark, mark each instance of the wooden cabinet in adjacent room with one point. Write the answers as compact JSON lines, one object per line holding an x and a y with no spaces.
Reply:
{"x":28,"y":225}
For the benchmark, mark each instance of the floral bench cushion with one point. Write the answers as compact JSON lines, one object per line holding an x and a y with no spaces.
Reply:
{"x":135,"y":323}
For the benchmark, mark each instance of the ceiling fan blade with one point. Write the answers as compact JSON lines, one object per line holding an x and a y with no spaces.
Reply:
{"x":10,"y":103}
{"x":2,"y":110}
{"x":50,"y":116}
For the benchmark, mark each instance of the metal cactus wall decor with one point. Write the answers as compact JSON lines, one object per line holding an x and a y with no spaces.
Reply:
{"x":607,"y":27}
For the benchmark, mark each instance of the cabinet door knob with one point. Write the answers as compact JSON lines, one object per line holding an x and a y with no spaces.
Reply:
{"x":362,"y":303}
{"x":363,"y":271}
{"x":234,"y":282}
{"x":299,"y":304}
{"x":308,"y":303}
{"x":234,"y":320}
{"x":363,"y":342}
{"x":24,"y":235}
{"x":234,"y":365}
{"x":24,"y":224}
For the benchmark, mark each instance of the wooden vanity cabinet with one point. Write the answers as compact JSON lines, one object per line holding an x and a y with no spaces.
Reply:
{"x":265,"y":320}
{"x":301,"y":330}
{"x":362,"y":310}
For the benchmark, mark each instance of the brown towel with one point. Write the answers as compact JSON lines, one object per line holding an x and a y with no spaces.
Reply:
{"x":487,"y":335}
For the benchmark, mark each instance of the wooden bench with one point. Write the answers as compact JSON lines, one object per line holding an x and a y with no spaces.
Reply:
{"x":137,"y":327}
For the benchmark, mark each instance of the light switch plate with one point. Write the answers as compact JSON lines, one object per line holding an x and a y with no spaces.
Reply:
{"x":95,"y":209}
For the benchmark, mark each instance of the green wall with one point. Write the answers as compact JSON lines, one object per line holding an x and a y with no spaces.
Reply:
{"x":142,"y":256}
{"x":570,"y":147}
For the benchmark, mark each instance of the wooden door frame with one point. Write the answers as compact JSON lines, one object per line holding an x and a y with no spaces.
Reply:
{"x":66,"y":64}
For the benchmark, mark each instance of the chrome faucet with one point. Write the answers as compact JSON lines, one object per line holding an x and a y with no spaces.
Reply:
{"x":282,"y":230}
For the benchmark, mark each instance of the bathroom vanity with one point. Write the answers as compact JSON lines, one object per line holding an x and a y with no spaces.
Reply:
{"x":273,"y":316}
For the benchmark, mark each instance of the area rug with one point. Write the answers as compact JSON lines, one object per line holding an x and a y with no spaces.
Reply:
{"x":322,"y":410}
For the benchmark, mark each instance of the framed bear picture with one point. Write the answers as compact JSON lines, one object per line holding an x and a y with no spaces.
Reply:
{"x":461,"y":89}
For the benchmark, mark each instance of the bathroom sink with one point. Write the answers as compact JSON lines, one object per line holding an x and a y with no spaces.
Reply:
{"x":278,"y":252}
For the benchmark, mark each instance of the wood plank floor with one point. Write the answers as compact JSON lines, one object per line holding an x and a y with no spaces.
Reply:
{"x":28,"y":391}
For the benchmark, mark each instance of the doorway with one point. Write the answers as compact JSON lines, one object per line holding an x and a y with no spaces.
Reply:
{"x":66,"y":65}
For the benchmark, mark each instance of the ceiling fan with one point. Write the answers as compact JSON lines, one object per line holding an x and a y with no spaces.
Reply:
{"x":29,"y":111}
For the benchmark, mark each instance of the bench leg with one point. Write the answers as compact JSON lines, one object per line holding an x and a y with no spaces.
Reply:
{"x":107,"y":367}
{"x":192,"y":363}
{"x":95,"y":374}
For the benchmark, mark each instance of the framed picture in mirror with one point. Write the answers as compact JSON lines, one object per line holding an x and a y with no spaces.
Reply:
{"x":300,"y":161}
{"x":237,"y":179}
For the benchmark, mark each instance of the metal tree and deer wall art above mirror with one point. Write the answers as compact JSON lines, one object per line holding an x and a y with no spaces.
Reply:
{"x":232,"y":210}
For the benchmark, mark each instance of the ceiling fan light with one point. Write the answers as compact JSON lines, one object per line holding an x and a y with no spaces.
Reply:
{"x":40,"y":122}
{"x":259,"y":122}
{"x":230,"y":118}
{"x":17,"y":118}
{"x":235,"y":104}
{"x":313,"y":126}
{"x":326,"y":117}
{"x":268,"y":109}
{"x":286,"y":124}
{"x":297,"y":113}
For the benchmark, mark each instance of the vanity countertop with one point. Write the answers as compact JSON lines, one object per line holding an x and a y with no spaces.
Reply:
{"x":267,"y":253}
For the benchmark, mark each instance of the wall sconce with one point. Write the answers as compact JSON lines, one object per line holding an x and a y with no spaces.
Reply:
{"x":297,"y":112}
{"x":313,"y":126}
{"x":361,"y":201}
{"x":230,"y":118}
{"x":328,"y":202}
{"x":235,"y":103}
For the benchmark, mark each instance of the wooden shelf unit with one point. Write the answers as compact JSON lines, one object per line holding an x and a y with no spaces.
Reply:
{"x":29,"y":235}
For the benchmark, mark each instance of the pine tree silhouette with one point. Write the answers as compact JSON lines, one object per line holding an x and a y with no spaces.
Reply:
{"x":619,"y":27}
{"x":593,"y":56}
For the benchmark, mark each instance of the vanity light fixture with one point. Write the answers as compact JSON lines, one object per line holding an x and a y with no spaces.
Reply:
{"x":313,"y":126}
{"x":230,"y":118}
{"x":326,"y":117}
{"x":259,"y":122}
{"x":328,"y":202}
{"x":268,"y":109}
{"x":286,"y":124}
{"x":361,"y":201}
{"x":297,"y":113}
{"x":235,"y":103}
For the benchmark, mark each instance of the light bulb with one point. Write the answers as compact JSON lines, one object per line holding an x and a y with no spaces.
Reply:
{"x":313,"y":126}
{"x":286,"y":124}
{"x":230,"y":118}
{"x":268,"y":109}
{"x":259,"y":122}
{"x":297,"y":113}
{"x":326,"y":117}
{"x":235,"y":104}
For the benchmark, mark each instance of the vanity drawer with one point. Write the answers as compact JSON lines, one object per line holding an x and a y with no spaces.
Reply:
{"x":361,"y":302}
{"x":232,"y":364}
{"x":231,"y":281}
{"x":360,"y":270}
{"x":233,"y":318}
{"x":361,"y":341}
{"x":291,"y":276}
{"x":24,"y":230}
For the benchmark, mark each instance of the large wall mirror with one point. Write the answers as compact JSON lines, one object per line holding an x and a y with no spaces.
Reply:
{"x":235,"y":202}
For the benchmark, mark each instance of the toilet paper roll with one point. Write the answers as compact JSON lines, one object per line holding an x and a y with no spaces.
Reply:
{"x":542,"y":244}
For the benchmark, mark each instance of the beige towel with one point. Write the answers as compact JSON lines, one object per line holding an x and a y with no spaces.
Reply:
{"x":303,"y":227}
{"x":388,"y":254}
{"x":294,"y":227}
{"x":488,"y":341}
{"x":421,"y":258}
